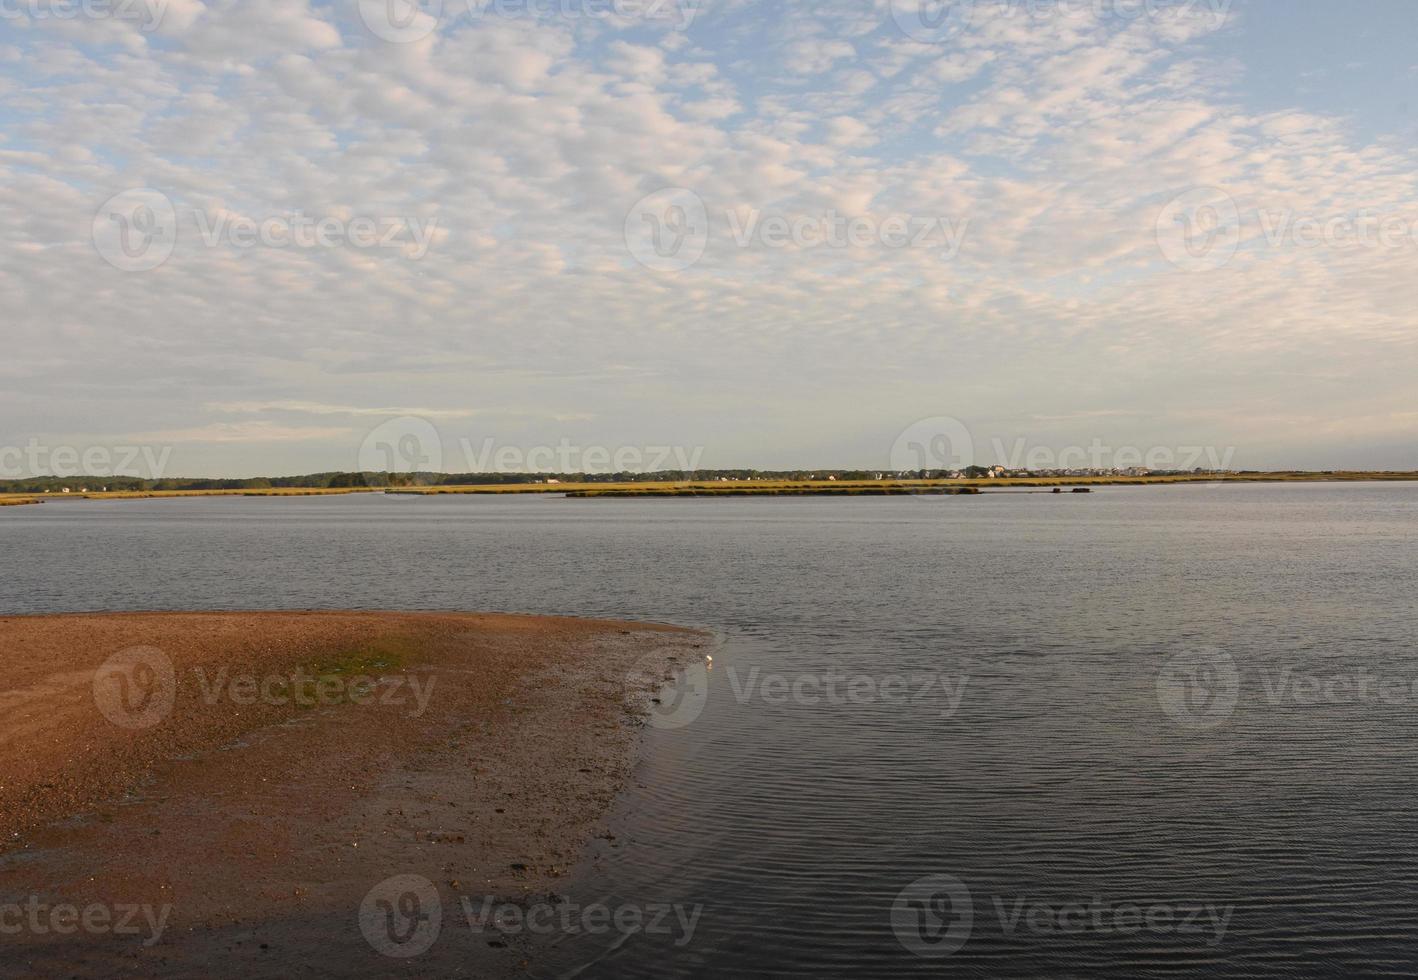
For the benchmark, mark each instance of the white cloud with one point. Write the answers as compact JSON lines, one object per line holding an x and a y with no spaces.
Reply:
{"x":1058,"y":140}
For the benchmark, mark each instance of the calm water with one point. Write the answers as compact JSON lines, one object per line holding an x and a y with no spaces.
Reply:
{"x":1183,"y":719}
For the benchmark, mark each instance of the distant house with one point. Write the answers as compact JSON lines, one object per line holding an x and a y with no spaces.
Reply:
{"x":65,"y":490}
{"x":554,"y":482}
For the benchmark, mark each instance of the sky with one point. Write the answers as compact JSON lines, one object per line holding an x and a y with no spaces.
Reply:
{"x":271,"y":237}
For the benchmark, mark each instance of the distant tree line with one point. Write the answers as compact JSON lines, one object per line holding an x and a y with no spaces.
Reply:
{"x":56,"y":484}
{"x":379,"y":481}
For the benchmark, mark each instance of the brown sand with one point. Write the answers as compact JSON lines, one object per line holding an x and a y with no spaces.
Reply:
{"x":486,"y":752}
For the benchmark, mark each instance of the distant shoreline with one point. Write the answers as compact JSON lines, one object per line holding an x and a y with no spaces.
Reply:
{"x":740,"y":488}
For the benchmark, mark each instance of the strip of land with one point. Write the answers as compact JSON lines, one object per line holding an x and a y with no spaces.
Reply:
{"x":256,"y":774}
{"x":748,"y":487}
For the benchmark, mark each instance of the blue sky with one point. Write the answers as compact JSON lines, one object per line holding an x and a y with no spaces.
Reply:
{"x":777,"y":234}
{"x":1355,"y":61}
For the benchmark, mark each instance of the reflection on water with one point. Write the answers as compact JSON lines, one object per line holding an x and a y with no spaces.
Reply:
{"x":1151,"y":731}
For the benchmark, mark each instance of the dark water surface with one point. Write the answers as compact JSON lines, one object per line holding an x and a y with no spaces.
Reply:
{"x":1154,"y":731}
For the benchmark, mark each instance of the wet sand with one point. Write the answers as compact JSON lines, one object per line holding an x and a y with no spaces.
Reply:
{"x":238,"y":783}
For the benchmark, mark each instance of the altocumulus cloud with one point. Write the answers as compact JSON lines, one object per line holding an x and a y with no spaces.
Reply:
{"x":526,"y":135}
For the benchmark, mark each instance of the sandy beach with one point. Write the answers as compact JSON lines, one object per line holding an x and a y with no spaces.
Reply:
{"x":232,"y":788}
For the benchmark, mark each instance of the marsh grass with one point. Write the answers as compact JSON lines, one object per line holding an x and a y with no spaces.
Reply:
{"x":272,"y":492}
{"x":369,"y":661}
{"x":741,"y":488}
